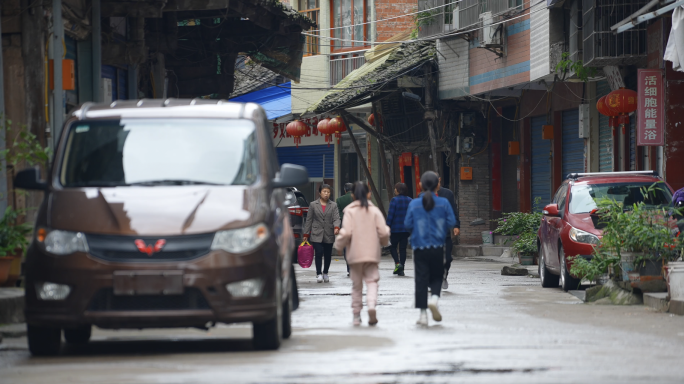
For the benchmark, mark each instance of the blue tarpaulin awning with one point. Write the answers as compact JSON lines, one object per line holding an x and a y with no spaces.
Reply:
{"x":277,"y":101}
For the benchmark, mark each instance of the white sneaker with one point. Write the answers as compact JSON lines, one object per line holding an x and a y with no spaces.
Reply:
{"x":326,"y":278}
{"x":445,"y":284}
{"x":357,"y":320}
{"x":422,"y":320}
{"x":432,"y":304}
{"x":319,"y":278}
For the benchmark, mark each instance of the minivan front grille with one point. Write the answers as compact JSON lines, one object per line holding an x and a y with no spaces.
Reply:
{"x":154,"y":249}
{"x":106,"y":300}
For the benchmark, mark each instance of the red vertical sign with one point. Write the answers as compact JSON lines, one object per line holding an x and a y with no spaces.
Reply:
{"x":651,"y":111}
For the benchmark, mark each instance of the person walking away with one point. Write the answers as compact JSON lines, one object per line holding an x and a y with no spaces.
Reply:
{"x":342,"y":203}
{"x":395,"y":220}
{"x":321,"y":226}
{"x":448,"y":245}
{"x":428,"y":218}
{"x":363,"y":233}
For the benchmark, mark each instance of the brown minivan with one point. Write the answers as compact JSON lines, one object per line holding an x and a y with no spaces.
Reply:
{"x":161,"y":213}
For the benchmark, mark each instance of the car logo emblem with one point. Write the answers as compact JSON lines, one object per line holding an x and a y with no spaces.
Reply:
{"x":149,"y":249}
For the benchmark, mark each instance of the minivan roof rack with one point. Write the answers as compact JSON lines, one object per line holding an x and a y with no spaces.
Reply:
{"x":626,"y":173}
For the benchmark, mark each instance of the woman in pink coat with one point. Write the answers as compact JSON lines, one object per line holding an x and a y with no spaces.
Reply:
{"x":363,"y":232}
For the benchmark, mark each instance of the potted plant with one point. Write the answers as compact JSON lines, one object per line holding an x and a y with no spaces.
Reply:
{"x":597,"y":268}
{"x":525,"y":246}
{"x":520,"y":229}
{"x":13,"y":244}
{"x":640,"y":237}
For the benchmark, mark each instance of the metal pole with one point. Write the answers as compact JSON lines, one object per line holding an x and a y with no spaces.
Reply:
{"x":57,"y":92}
{"x":96,"y":37}
{"x":365,"y":166}
{"x":3,"y":165}
{"x":429,"y":112}
{"x":383,"y":157}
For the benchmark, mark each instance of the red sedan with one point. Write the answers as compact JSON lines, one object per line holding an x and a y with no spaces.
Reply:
{"x":567,"y":229}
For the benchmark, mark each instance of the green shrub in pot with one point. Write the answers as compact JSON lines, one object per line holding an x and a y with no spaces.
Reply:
{"x":640,"y":229}
{"x":13,"y":237}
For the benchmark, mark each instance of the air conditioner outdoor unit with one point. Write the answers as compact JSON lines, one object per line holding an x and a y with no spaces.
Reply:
{"x":487,"y":29}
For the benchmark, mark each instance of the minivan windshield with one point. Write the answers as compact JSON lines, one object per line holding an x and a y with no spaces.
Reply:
{"x":152,"y":152}
{"x":583,"y":198}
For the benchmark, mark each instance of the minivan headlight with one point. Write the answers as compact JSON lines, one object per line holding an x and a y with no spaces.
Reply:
{"x":240,"y":240}
{"x":60,"y":242}
{"x":581,"y":236}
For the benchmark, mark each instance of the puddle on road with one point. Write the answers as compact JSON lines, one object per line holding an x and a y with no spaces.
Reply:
{"x":434,"y":373}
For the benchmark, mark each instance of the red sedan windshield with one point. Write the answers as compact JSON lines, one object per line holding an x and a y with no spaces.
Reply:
{"x":583,"y":198}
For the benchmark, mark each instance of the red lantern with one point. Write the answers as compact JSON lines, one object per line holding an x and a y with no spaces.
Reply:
{"x":325,"y":128}
{"x":338,"y":127}
{"x":622,"y":102}
{"x":605,"y":110}
{"x":296,"y":129}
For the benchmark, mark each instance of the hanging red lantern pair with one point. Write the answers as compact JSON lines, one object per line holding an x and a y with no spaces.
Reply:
{"x":618,"y":104}
{"x":330,"y":127}
{"x":296,"y":129}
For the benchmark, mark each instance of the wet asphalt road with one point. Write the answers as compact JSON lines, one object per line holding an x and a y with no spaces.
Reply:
{"x":496,"y":329}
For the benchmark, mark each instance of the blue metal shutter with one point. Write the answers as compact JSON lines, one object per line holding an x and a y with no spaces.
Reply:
{"x":541,"y":163}
{"x":122,"y":84}
{"x":312,"y":157}
{"x":605,"y":133}
{"x":573,"y":146}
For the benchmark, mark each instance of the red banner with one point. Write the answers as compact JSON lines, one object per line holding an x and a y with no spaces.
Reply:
{"x":651,"y":111}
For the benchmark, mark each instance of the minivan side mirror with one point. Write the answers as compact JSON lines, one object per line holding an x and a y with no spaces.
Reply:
{"x":551,"y":210}
{"x":29,"y":178}
{"x":291,"y":175}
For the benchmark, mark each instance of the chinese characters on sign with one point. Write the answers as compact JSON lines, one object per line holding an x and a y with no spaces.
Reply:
{"x":279,"y":128}
{"x":650,"y":122}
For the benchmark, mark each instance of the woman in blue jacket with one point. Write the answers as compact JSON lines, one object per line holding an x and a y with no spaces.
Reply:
{"x":395,"y":220}
{"x":429,"y":219}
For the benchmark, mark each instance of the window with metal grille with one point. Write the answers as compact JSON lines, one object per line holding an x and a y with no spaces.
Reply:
{"x":500,"y":6}
{"x":469,"y":13}
{"x":601,"y":46}
{"x":348,"y":23}
{"x":312,"y":10}
{"x":342,"y":65}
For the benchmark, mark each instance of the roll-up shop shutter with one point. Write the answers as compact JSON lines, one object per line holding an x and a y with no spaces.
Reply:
{"x":541,"y":163}
{"x":313,"y":157}
{"x":573,"y":146}
{"x":605,"y":133}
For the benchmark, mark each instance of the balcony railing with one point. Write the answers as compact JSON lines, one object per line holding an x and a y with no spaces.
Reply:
{"x":342,"y":65}
{"x":312,"y":45}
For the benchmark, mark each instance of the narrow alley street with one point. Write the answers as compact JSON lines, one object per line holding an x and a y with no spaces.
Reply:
{"x":495,"y":329}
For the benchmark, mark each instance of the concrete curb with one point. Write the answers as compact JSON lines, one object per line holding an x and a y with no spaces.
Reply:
{"x":13,"y":330}
{"x":657,"y":301}
{"x":11,"y":305}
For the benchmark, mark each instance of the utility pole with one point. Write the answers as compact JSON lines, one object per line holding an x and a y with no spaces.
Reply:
{"x":96,"y":37}
{"x":3,"y":162}
{"x":383,"y":158}
{"x":430,"y":113}
{"x":57,"y":56}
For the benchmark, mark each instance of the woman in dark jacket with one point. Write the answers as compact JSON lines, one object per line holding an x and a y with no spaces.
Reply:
{"x":395,"y":220}
{"x":321,"y":226}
